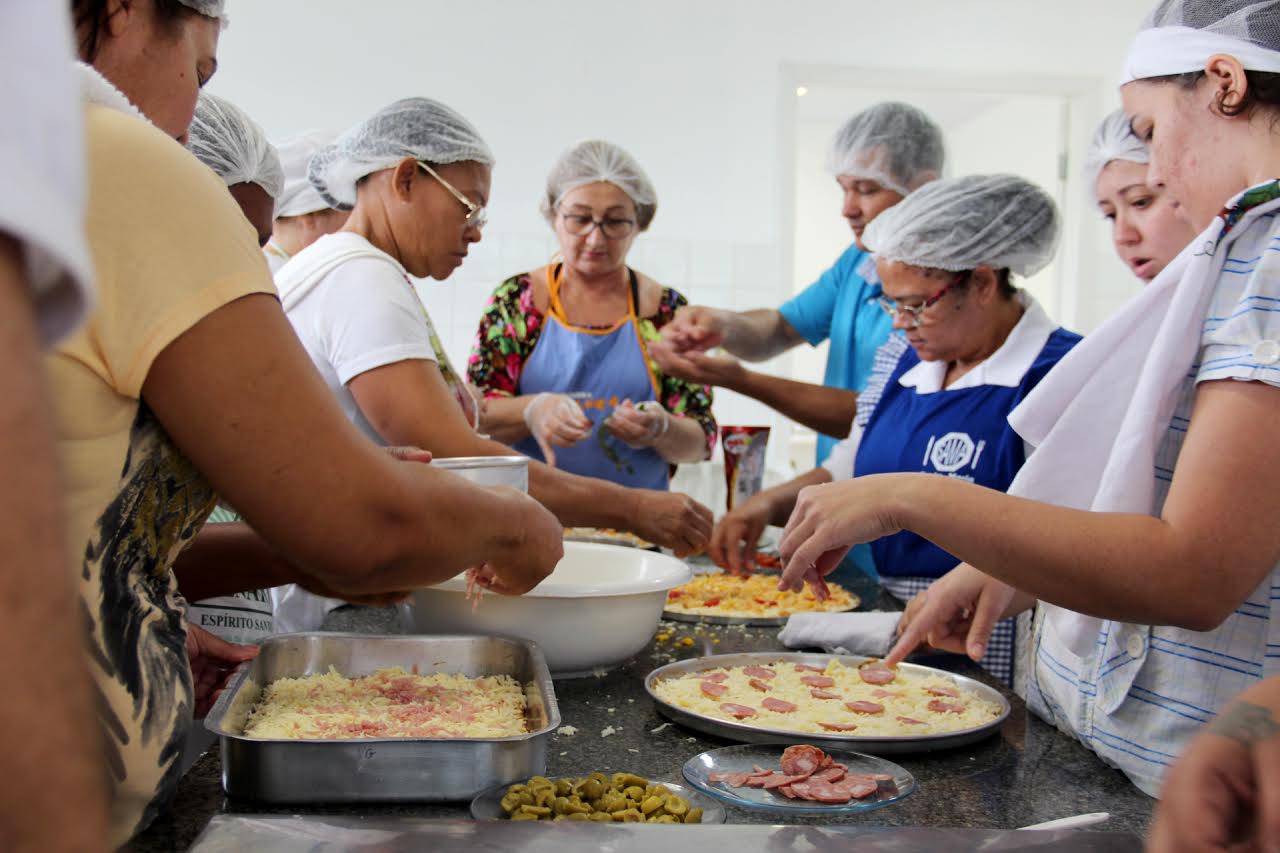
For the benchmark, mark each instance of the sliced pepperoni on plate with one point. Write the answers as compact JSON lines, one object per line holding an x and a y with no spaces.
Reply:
{"x":758,"y":684}
{"x":838,"y":727}
{"x":785,"y":790}
{"x":830,"y":774}
{"x":760,"y":672}
{"x":735,"y":780}
{"x":818,"y":681}
{"x":823,"y":694}
{"x":857,"y":789}
{"x":713,"y":778}
{"x":862,"y":707}
{"x":778,"y":705}
{"x":824,"y":792}
{"x":778,"y":781}
{"x":715,"y":677}
{"x":715,"y":691}
{"x":945,"y":707}
{"x":742,"y":712}
{"x":801,"y":760}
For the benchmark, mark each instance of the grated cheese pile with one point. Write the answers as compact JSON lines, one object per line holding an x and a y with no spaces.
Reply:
{"x":911,"y":704}
{"x":751,"y":596}
{"x":389,"y":703}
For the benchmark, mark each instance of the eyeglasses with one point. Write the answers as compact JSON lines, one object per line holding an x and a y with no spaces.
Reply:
{"x":915,"y":312}
{"x":611,"y":227}
{"x":477,"y":215}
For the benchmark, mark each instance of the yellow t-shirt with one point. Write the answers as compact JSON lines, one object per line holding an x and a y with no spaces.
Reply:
{"x":169,"y":246}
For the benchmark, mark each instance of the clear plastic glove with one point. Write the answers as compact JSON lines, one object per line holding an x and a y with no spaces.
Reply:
{"x":555,"y":420}
{"x":693,"y":365}
{"x":695,"y":327}
{"x":639,"y":425}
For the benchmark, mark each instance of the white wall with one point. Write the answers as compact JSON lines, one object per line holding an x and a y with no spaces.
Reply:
{"x":698,"y":90}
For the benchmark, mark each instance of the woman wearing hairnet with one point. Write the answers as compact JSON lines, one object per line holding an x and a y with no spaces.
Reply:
{"x":562,"y":351}
{"x":302,"y":214}
{"x":1146,"y":229}
{"x":1145,"y":523}
{"x":417,"y":176}
{"x":878,"y":157}
{"x":162,"y":364}
{"x":975,"y":346}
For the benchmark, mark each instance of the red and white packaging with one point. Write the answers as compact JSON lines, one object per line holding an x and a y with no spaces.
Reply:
{"x":744,"y":448}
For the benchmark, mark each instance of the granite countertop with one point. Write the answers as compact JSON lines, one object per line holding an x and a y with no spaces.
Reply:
{"x":1027,"y":774}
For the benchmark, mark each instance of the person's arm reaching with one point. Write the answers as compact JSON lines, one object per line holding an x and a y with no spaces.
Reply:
{"x":48,"y":731}
{"x":1219,"y":521}
{"x":756,"y":335}
{"x":733,"y":542}
{"x":335,"y":505}
{"x":408,"y":402}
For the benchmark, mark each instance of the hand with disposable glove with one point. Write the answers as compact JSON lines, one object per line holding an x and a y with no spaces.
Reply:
{"x":639,"y":425}
{"x":555,"y":420}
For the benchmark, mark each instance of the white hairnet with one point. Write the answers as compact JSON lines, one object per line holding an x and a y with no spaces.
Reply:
{"x":896,"y":145}
{"x":299,"y":197}
{"x":208,"y":8}
{"x":1114,"y":140}
{"x":417,"y":128}
{"x":595,"y":161}
{"x":957,"y":224}
{"x":1180,"y":36}
{"x":224,"y":138}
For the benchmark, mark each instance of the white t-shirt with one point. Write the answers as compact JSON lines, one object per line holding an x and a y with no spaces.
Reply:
{"x":42,"y":161}
{"x":361,"y":315}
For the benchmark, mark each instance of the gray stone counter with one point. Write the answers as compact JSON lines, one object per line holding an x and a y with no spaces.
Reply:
{"x":1026,"y":774}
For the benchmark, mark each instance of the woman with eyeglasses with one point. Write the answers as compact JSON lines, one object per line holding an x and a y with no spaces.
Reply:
{"x":972,"y":346}
{"x":416,"y":177}
{"x":561,"y":353}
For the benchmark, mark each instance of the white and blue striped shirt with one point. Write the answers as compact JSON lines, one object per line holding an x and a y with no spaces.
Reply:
{"x":1145,"y":691}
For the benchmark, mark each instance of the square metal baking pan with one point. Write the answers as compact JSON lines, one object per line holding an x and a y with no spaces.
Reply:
{"x":354,"y":770}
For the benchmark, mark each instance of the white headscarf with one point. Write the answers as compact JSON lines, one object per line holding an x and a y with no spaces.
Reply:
{"x":1180,"y":36}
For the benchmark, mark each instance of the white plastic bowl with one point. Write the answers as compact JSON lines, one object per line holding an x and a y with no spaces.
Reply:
{"x":598,"y":608}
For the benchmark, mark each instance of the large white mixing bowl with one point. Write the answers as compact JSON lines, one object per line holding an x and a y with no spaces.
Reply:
{"x":598,"y":608}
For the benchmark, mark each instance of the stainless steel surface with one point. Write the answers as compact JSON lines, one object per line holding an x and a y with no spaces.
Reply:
{"x":759,"y":734}
{"x":488,"y":804}
{"x":381,"y":769}
{"x":510,"y":471}
{"x":231,"y":834}
{"x":749,"y":621}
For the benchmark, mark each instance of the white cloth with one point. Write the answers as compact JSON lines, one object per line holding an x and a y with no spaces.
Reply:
{"x":1004,"y":367}
{"x":1108,"y":424}
{"x":42,"y":164}
{"x":869,"y":634}
{"x":1161,"y":51}
{"x":354,"y":310}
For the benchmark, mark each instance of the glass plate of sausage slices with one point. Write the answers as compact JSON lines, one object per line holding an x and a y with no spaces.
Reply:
{"x":798,"y":779}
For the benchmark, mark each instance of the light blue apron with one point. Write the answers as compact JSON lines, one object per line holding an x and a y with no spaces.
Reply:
{"x":605,"y":367}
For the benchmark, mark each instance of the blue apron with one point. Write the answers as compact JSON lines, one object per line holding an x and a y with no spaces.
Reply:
{"x":606,"y":366}
{"x":963,"y":433}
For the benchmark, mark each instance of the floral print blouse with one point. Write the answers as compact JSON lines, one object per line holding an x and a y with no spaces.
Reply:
{"x":511,"y":325}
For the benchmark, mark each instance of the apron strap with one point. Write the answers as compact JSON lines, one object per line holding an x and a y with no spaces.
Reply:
{"x":555,"y":275}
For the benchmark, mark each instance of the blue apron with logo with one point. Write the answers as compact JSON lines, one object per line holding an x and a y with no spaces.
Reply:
{"x":963,"y":433}
{"x":601,"y":368}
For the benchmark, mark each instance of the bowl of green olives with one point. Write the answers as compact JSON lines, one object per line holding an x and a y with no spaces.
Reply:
{"x":597,"y":798}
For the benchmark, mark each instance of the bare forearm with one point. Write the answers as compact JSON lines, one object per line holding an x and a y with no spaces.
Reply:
{"x":781,"y":499}
{"x":50,"y":749}
{"x":758,"y":335}
{"x":828,"y":410}
{"x":504,"y":419}
{"x":225,"y":559}
{"x":1132,"y":568}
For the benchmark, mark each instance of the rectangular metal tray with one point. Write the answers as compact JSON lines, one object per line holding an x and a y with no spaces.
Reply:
{"x":381,"y":769}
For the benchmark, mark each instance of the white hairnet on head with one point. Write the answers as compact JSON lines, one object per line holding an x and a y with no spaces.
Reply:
{"x":1114,"y":140}
{"x":896,"y":145}
{"x":956,"y":224}
{"x":299,"y":197}
{"x":417,"y":128}
{"x":224,"y":138}
{"x":1180,"y":36}
{"x":208,"y":8}
{"x":596,"y":161}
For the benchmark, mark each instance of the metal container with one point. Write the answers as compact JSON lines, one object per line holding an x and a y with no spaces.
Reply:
{"x":381,"y":769}
{"x":875,"y":744}
{"x":489,"y":470}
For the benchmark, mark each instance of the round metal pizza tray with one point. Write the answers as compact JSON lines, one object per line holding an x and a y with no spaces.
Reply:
{"x":879,"y":745}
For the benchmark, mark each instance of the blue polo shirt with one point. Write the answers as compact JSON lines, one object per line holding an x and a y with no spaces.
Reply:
{"x":841,"y":306}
